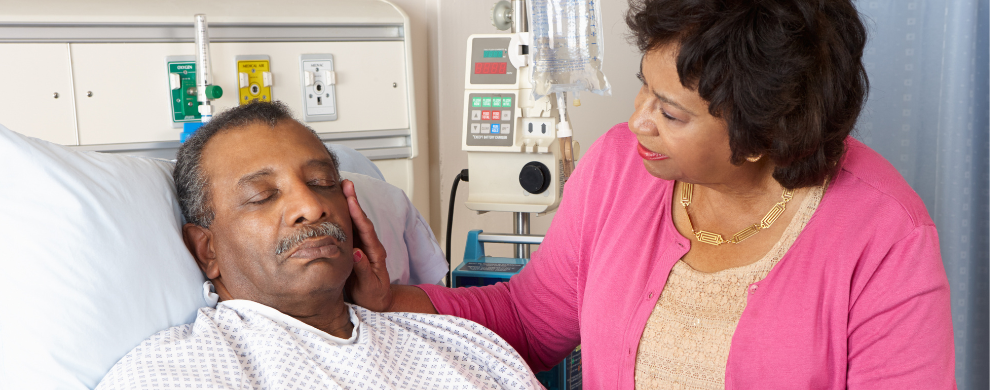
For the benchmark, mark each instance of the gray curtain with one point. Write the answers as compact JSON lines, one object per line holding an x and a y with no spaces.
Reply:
{"x":928,"y":115}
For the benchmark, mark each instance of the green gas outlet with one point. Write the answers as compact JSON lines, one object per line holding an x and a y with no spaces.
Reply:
{"x":182,"y":82}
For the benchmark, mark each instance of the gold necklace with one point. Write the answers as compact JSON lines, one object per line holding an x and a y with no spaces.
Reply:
{"x":687,"y":191}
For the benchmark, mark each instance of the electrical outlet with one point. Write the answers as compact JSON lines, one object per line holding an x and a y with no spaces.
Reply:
{"x":318,"y":87}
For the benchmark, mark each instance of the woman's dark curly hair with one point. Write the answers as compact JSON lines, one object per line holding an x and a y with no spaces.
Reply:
{"x":786,"y":75}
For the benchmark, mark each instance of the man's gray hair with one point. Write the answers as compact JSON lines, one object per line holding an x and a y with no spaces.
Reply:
{"x":192,"y":184}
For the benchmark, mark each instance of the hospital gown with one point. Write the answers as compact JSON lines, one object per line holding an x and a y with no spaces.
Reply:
{"x":246,"y":345}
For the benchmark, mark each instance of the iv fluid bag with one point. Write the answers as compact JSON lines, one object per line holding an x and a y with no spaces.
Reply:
{"x":567,"y":47}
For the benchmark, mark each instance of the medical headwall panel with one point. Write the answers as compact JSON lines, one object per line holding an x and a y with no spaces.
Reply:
{"x":123,"y":112}
{"x":39,"y":107}
{"x":115,"y":67}
{"x":370,"y":87}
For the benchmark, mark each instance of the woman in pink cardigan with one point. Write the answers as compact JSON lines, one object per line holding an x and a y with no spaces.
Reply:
{"x":732,"y":234}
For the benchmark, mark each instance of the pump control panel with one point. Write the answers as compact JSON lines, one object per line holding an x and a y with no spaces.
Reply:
{"x":491,"y":118}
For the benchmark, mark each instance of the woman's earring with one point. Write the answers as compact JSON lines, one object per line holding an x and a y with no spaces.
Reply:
{"x":754,"y":158}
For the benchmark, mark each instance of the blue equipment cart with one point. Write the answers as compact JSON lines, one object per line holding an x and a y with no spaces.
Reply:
{"x":480,"y":270}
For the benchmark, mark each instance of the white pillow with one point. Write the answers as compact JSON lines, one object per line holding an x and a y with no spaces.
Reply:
{"x":93,"y":261}
{"x":414,"y":257}
{"x":353,"y":161}
{"x":92,"y":264}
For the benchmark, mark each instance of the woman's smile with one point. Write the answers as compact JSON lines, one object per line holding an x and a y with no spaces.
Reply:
{"x":648,"y":154}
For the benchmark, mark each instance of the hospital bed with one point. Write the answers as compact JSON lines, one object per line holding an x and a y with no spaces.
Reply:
{"x":93,"y":262}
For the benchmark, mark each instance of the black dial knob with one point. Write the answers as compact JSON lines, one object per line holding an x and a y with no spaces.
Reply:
{"x":534,"y":177}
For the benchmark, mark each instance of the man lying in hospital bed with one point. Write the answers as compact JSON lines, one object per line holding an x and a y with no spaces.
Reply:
{"x":269,"y":225}
{"x":70,"y":304}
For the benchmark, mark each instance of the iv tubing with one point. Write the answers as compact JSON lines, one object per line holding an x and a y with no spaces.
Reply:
{"x":564,"y":134}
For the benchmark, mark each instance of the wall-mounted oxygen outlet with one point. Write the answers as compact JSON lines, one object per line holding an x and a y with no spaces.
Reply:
{"x":182,"y":86}
{"x":318,"y":87}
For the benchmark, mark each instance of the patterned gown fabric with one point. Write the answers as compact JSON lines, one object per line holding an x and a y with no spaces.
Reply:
{"x":246,"y":345}
{"x":685,"y":345}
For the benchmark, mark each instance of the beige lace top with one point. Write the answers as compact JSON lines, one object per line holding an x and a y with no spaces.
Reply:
{"x":686,"y":341}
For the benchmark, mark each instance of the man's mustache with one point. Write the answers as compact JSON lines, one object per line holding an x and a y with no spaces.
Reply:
{"x":324,"y":229}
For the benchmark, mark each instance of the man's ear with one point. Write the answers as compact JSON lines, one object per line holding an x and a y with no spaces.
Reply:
{"x":199,"y":241}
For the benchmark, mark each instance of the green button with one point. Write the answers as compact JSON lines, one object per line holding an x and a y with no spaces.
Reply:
{"x":213,"y":92}
{"x":476,"y":102}
{"x":486,"y":102}
{"x":507,"y":102}
{"x":496,"y":102}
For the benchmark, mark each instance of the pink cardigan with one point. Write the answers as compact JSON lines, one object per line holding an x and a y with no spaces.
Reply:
{"x":860,"y":301}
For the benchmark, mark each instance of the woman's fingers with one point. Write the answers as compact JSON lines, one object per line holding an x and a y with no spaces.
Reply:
{"x":364,"y":229}
{"x":369,"y":282}
{"x":368,"y":287}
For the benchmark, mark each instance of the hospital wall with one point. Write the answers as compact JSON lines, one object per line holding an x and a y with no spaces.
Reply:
{"x":449,"y":24}
{"x":422,"y":192}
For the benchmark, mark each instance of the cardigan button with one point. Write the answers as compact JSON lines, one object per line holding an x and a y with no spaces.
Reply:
{"x":752,"y":289}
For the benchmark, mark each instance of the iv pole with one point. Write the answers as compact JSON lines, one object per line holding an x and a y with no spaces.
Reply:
{"x":521,"y":225}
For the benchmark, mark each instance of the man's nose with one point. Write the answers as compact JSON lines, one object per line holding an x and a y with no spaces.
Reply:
{"x":303,"y":206}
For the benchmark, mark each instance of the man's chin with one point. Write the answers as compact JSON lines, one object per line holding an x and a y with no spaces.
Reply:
{"x":317,"y":271}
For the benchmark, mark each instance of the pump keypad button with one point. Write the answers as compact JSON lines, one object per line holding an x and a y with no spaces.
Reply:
{"x":489,"y":119}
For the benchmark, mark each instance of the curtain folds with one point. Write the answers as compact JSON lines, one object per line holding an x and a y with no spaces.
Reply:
{"x":928,"y":114}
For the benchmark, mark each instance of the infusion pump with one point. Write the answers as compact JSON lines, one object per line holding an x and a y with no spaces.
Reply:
{"x":510,"y":138}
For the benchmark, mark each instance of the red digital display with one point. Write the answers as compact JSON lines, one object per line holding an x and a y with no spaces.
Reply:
{"x":489,"y":68}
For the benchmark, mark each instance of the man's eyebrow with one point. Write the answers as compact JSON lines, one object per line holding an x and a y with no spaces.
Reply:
{"x":251,"y":177}
{"x":320,"y":163}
